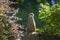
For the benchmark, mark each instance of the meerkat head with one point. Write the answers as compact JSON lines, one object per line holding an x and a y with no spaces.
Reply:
{"x":31,"y":15}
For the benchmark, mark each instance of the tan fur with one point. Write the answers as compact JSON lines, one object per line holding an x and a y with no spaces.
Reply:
{"x":31,"y":27}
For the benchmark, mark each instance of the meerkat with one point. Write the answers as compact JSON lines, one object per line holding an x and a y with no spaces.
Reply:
{"x":31,"y":27}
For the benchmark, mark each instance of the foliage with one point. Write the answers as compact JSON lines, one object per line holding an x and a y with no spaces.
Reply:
{"x":20,"y":1}
{"x":50,"y":15}
{"x":4,"y":29}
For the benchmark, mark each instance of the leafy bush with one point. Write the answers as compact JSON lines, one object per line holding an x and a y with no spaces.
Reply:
{"x":51,"y":17}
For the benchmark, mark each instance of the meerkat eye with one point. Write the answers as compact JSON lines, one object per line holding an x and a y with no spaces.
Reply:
{"x":30,"y":14}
